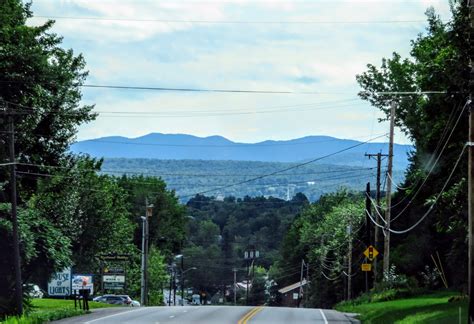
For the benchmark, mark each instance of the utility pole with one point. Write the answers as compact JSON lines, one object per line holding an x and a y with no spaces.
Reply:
{"x":368,"y":211}
{"x":143,"y":267}
{"x":307,"y":283}
{"x":349,"y":263}
{"x":235,"y":286}
{"x":471,"y":209}
{"x":171,"y":285}
{"x":378,"y":157}
{"x":386,"y":247}
{"x":182,"y":280}
{"x":470,"y":3}
{"x":250,"y":255}
{"x":15,"y":240}
{"x":300,"y":292}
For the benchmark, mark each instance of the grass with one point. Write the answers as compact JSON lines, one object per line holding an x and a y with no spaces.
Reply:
{"x":46,"y":309}
{"x":430,"y":308}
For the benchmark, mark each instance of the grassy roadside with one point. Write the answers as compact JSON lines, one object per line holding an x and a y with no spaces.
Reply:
{"x":47,"y":309}
{"x":429,"y":308}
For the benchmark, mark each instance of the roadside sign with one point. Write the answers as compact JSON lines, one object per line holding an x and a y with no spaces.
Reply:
{"x":60,"y":283}
{"x":366,"y":267}
{"x":115,"y":257}
{"x":371,"y":253}
{"x":113,"y":278}
{"x":116,"y":270}
{"x":80,"y":281}
{"x":114,"y":282}
{"x":149,"y":211}
{"x":296,"y":296}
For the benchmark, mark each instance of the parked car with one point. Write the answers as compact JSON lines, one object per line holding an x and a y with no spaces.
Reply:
{"x":114,"y":299}
{"x":134,"y":303}
{"x":34,"y":291}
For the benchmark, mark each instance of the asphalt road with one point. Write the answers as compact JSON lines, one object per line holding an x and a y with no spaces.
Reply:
{"x":210,"y":315}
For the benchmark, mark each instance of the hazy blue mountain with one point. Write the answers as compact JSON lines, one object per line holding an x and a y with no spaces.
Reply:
{"x":180,"y":146}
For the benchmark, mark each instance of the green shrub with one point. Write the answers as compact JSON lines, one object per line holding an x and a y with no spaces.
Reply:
{"x":42,"y":317}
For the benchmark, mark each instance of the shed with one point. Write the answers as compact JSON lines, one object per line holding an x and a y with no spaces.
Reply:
{"x":290,"y":296}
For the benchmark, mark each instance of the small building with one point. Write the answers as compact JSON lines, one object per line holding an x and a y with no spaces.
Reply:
{"x":290,"y":295}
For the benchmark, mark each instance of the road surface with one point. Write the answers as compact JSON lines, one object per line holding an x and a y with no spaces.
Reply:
{"x":211,"y":315}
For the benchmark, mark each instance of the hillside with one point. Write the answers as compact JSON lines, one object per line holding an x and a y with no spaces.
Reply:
{"x":189,"y":177}
{"x":179,"y":146}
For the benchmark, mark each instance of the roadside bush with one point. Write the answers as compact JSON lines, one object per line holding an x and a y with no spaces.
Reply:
{"x":392,"y":279}
{"x":431,"y":277}
{"x":43,"y":317}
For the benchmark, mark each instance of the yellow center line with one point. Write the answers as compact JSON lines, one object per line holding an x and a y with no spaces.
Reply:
{"x":249,"y":315}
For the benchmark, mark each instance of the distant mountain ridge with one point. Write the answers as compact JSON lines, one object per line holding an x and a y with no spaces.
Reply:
{"x":189,"y":147}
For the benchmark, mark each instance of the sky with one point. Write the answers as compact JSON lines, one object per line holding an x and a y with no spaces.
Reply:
{"x":272,"y":45}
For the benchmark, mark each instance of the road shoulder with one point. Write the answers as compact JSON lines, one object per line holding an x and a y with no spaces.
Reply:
{"x":96,"y":314}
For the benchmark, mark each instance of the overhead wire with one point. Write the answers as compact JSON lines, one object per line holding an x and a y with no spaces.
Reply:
{"x":287,"y":169}
{"x":246,"y":22}
{"x":447,"y":127}
{"x":430,"y":209}
{"x":434,"y":164}
{"x":238,"y":91}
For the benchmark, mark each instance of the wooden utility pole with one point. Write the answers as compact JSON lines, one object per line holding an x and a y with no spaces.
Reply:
{"x":235,"y":286}
{"x":300,"y":292}
{"x":18,"y":295}
{"x":470,"y":4}
{"x":368,"y":213}
{"x":349,"y":263}
{"x":386,"y":247}
{"x":378,"y":157}
{"x":471,"y":212}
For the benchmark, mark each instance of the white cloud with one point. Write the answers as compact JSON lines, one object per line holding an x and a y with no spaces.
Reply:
{"x":302,"y":57}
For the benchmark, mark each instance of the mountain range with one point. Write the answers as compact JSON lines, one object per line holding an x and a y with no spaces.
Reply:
{"x":189,"y":147}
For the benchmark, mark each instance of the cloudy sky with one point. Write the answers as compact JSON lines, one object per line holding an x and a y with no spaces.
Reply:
{"x":298,"y":46}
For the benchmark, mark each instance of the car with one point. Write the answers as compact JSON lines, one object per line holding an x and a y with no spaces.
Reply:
{"x":114,"y":299}
{"x":33,"y":290}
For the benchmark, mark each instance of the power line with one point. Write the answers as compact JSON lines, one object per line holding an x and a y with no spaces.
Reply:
{"x":240,"y":91}
{"x":157,"y":173}
{"x":432,"y":158}
{"x":244,"y":22}
{"x":434,"y":164}
{"x":272,"y":184}
{"x":422,"y":218}
{"x":122,"y":87}
{"x":287,"y":169}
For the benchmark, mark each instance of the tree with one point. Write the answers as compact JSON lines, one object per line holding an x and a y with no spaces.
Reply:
{"x":157,"y":276}
{"x":437,"y":124}
{"x":40,"y":82}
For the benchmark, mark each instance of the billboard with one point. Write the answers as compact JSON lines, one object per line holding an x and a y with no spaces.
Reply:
{"x":60,"y":283}
{"x":114,"y":282}
{"x":80,"y":281}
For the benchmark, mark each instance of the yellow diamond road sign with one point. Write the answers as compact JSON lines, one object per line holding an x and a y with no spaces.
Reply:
{"x":371,"y":253}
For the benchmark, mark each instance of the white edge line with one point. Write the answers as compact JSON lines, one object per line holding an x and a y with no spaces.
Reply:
{"x":101,"y":318}
{"x":324,"y":316}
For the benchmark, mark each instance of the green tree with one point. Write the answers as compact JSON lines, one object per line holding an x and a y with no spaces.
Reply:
{"x":157,"y":276}
{"x":40,"y":81}
{"x":437,"y":124}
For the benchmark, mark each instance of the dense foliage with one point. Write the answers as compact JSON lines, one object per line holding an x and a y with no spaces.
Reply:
{"x":430,"y":89}
{"x":68,"y":213}
{"x":221,"y":231}
{"x":188,"y":177}
{"x":438,"y":125}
